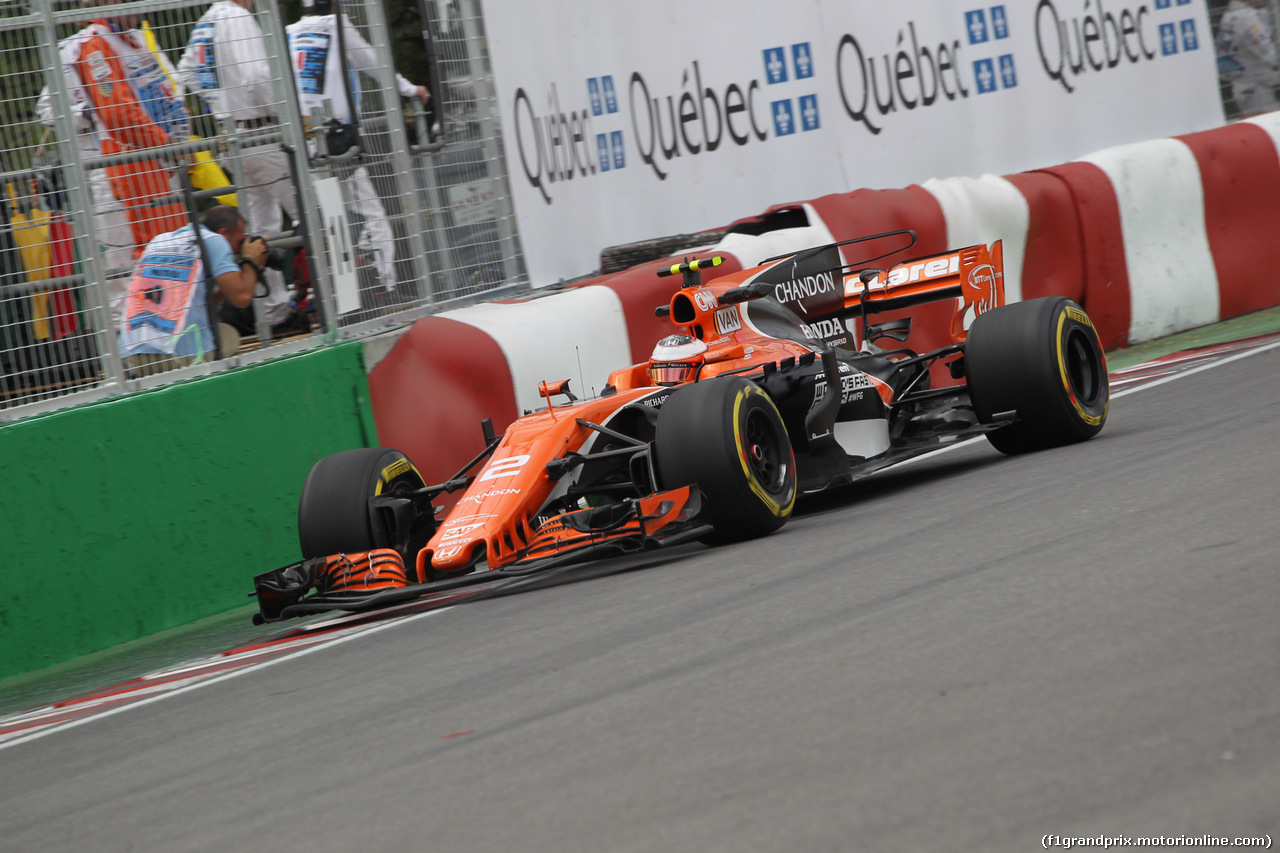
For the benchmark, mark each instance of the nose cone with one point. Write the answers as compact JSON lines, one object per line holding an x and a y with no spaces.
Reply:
{"x":454,"y":543}
{"x":455,"y":556}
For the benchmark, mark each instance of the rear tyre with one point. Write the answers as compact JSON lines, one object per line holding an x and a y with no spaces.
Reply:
{"x":1042,"y":359}
{"x":334,"y":513}
{"x":726,"y":437}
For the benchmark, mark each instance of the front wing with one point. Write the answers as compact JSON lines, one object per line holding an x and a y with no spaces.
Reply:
{"x":659,"y":520}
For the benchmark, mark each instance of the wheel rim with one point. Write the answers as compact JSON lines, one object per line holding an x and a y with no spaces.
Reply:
{"x":767,"y":463}
{"x":1084,"y":371}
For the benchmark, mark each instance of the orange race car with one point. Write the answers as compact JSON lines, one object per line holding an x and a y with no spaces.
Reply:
{"x":775,"y":382}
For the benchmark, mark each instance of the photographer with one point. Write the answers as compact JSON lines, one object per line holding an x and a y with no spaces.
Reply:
{"x":225,"y":63}
{"x":166,"y":319}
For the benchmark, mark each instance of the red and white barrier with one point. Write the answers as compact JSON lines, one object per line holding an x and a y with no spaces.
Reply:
{"x":1240,"y":170}
{"x":1152,"y":238}
{"x":1172,"y":282}
{"x":982,"y":211}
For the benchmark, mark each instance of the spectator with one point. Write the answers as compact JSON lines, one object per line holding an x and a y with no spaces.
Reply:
{"x":129,"y":99}
{"x":1248,"y":56}
{"x":166,"y":319}
{"x":321,"y":76}
{"x":115,"y":241}
{"x":226,"y":64}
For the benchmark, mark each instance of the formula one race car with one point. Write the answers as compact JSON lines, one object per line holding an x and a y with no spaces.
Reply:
{"x":774,"y":383}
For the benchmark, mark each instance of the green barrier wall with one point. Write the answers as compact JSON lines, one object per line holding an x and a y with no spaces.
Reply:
{"x":130,"y":517}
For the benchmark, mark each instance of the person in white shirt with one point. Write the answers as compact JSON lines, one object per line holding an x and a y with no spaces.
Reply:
{"x":318,"y":70}
{"x":225,"y":62}
{"x":1248,"y":56}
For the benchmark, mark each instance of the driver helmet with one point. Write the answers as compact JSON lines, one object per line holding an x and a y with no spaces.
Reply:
{"x":677,"y":359}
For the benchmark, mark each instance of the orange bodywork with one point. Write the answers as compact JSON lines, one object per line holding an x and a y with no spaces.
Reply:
{"x":379,"y":569}
{"x":497,"y":518}
{"x":975,"y":273}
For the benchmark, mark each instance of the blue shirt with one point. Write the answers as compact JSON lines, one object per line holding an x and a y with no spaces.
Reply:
{"x":166,"y":311}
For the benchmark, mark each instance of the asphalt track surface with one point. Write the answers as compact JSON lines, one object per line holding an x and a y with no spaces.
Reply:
{"x":967,"y":653}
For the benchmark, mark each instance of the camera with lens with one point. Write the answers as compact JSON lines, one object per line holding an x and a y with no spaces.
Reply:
{"x":277,"y":259}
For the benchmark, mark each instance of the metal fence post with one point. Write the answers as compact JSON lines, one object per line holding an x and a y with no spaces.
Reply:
{"x":81,"y":204}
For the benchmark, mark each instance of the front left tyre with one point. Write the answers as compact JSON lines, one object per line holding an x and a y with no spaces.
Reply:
{"x":340,"y":510}
{"x":726,"y":437}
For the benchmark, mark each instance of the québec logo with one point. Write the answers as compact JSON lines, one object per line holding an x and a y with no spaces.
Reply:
{"x":656,"y":122}
{"x":1093,"y":36}
{"x":627,"y":120}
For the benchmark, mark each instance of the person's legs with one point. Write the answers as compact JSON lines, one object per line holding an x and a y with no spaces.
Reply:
{"x":114,"y":240}
{"x":375,"y":235}
{"x":266,"y":193}
{"x":1253,"y":97}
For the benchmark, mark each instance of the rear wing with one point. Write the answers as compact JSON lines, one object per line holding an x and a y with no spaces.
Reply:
{"x":974,"y":276}
{"x":817,"y":284}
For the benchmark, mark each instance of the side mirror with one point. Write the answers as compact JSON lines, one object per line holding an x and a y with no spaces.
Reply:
{"x":547,"y":389}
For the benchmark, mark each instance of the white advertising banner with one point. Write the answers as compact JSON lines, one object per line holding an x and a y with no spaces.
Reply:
{"x":627,"y":121}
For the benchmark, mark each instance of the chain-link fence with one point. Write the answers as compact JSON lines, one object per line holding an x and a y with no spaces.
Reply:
{"x":122,"y":124}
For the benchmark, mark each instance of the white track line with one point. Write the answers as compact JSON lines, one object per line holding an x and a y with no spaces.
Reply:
{"x":382,"y":626}
{"x":1194,"y":370}
{"x":1126,"y":392}
{"x":61,"y":727}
